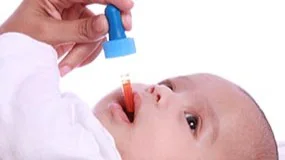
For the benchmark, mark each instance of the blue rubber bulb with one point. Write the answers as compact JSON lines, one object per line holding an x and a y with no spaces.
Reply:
{"x":118,"y":44}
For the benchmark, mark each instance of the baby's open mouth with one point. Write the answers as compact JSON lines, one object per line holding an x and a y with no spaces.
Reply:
{"x":127,"y":102}
{"x":130,"y":115}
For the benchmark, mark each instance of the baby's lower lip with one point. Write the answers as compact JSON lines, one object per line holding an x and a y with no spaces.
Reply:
{"x":128,"y":117}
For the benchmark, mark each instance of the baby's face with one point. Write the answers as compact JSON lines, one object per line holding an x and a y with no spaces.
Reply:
{"x":183,"y":118}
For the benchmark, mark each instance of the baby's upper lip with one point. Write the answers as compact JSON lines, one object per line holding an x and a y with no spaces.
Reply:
{"x":137,"y":102}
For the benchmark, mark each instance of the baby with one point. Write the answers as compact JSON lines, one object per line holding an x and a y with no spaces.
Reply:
{"x":191,"y":117}
{"x":199,"y":117}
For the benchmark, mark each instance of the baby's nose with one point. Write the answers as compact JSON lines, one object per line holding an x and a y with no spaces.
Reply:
{"x":161,"y":92}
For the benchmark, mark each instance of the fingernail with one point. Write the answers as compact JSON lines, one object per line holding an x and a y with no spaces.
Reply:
{"x":64,"y":70}
{"x":101,"y":24}
{"x":129,"y":19}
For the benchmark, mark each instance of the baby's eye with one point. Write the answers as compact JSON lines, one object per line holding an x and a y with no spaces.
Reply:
{"x":167,"y":84}
{"x":192,"y":121}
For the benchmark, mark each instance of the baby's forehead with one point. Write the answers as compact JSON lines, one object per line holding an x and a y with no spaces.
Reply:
{"x":200,"y":81}
{"x":213,"y":88}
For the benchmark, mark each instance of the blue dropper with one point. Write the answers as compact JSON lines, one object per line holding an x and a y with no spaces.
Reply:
{"x":118,"y":45}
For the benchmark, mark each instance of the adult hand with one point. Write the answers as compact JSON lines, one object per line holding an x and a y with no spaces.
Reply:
{"x":67,"y":25}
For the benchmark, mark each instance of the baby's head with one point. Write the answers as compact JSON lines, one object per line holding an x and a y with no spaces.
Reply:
{"x":199,"y":117}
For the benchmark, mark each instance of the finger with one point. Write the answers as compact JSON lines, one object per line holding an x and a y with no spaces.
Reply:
{"x":123,"y":5}
{"x":76,"y":56}
{"x":93,"y":55}
{"x":62,"y":49}
{"x":62,"y":4}
{"x":127,"y":20}
{"x":126,"y":17}
{"x":80,"y":31}
{"x":77,"y":11}
{"x":80,"y":11}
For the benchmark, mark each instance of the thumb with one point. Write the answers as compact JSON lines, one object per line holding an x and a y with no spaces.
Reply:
{"x":79,"y":31}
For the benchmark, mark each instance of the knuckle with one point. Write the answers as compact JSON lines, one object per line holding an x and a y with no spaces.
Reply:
{"x":62,"y":3}
{"x":84,"y":30}
{"x":89,"y":1}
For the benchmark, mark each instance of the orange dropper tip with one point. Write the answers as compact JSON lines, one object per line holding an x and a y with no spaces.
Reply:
{"x":128,"y":93}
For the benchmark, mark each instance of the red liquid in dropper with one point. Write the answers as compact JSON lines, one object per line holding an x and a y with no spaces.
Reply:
{"x":129,"y":98}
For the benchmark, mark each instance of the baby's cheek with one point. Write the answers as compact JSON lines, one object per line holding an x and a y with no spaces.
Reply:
{"x":162,"y":135}
{"x":156,"y":125}
{"x":161,"y":145}
{"x":114,"y":96}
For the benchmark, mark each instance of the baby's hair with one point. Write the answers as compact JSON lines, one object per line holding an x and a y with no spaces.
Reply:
{"x":267,"y":149}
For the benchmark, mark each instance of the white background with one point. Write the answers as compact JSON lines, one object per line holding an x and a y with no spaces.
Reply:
{"x":242,"y":41}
